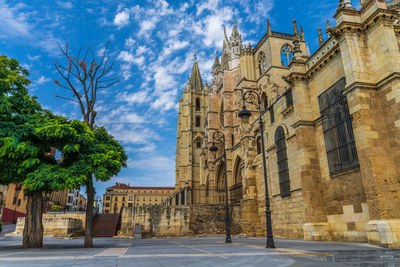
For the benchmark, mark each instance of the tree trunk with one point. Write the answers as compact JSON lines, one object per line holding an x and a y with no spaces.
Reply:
{"x":90,"y":191}
{"x":33,"y":229}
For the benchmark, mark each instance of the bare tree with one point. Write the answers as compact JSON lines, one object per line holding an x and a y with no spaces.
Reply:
{"x":83,"y":76}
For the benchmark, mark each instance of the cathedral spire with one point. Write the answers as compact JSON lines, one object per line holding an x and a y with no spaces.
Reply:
{"x":216,"y":62}
{"x":301,"y":33}
{"x":235,"y":31}
{"x":269,"y":28}
{"x":320,"y":37}
{"x":195,"y":83}
{"x":296,"y":30}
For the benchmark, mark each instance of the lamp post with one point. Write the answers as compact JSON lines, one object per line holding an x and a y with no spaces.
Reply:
{"x":220,"y":137}
{"x":252,"y":97}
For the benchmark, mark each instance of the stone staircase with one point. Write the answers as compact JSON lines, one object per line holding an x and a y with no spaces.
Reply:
{"x":105,"y":225}
{"x":373,"y":258}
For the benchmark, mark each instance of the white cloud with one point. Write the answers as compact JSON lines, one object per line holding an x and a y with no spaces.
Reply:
{"x":165,"y":100}
{"x":207,"y":5}
{"x":13,"y":22}
{"x":42,"y":80}
{"x":140,"y":97}
{"x":122,"y":18}
{"x":130,"y":58}
{"x":19,"y":24}
{"x":257,"y":12}
{"x":163,"y":79}
{"x":34,"y":57}
{"x":213,"y":28}
{"x":129,"y":42}
{"x":133,"y":118}
{"x":176,"y":45}
{"x":147,"y":26}
{"x":66,"y":5}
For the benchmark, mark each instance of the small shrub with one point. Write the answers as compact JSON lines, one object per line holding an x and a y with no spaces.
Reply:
{"x":56,"y":208}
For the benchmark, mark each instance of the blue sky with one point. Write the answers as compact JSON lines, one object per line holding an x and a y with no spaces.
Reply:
{"x":152,"y":44}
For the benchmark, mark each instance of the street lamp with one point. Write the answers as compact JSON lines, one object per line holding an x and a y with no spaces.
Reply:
{"x":220,"y":138}
{"x":251,"y":97}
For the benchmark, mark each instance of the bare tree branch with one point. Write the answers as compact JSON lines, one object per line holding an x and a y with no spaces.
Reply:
{"x":84,"y":77}
{"x":66,"y":98}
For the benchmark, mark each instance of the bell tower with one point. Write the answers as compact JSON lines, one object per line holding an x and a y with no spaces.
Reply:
{"x":191,"y":127}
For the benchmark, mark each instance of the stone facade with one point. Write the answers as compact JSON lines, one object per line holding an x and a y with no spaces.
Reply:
{"x":332,"y":130}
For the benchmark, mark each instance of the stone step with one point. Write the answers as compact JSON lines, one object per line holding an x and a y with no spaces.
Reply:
{"x":382,"y":257}
{"x":373,"y":264}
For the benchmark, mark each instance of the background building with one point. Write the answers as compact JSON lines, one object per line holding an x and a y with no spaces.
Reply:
{"x":15,"y":202}
{"x":332,"y":130}
{"x":3,"y":193}
{"x":122,"y":195}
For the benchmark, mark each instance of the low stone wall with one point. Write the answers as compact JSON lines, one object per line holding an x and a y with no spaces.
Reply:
{"x":162,"y":221}
{"x":173,"y":221}
{"x":59,"y":224}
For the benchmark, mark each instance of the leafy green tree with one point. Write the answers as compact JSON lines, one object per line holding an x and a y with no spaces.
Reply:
{"x":29,"y":137}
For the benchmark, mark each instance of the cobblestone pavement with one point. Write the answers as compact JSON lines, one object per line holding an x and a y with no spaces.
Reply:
{"x":205,"y":251}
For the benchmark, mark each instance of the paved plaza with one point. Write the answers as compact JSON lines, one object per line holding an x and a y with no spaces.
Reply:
{"x":201,"y":251}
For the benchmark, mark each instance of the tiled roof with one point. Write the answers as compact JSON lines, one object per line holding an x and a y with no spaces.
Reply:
{"x":125,"y":186}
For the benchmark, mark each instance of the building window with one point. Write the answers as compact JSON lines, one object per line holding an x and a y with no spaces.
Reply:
{"x":107,"y":205}
{"x":107,"y":197}
{"x":15,"y":200}
{"x":144,"y":199}
{"x":149,"y":198}
{"x":197,"y":104}
{"x":106,"y":211}
{"x":198,"y":142}
{"x":130,"y":198}
{"x":264,"y":101}
{"x":338,"y":129}
{"x":271,"y":114}
{"x":116,"y":198}
{"x":259,"y":145}
{"x":198,"y":121}
{"x":123,"y":198}
{"x":19,"y":202}
{"x":262,"y":63}
{"x":281,"y":155}
{"x":129,"y":204}
{"x":286,"y":55}
{"x":289,"y":98}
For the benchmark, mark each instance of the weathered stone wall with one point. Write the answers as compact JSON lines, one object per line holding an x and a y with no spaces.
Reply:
{"x":60,"y":225}
{"x":162,"y":221}
{"x":171,"y":221}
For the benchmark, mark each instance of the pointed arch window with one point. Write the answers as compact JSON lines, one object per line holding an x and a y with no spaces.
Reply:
{"x":282,"y":160}
{"x":237,"y":189}
{"x":338,"y":129}
{"x":198,"y":121}
{"x":221,"y":182}
{"x":264,"y":101}
{"x":259,"y":145}
{"x":286,"y":55}
{"x":198,"y":142}
{"x":262,"y":63}
{"x":197,"y":104}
